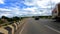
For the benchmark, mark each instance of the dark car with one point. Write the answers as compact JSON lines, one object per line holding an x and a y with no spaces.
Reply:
{"x":37,"y":18}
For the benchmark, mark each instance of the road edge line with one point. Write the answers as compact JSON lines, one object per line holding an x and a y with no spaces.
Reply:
{"x":52,"y":28}
{"x":22,"y":29}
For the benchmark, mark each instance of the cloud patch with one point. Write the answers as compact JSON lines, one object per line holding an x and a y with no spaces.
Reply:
{"x":26,"y":7}
{"x":1,"y":1}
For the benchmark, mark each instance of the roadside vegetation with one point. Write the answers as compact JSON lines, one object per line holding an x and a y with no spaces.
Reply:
{"x":43,"y":17}
{"x":6,"y":20}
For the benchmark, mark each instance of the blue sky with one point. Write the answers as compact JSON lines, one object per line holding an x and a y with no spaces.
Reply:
{"x":12,"y":8}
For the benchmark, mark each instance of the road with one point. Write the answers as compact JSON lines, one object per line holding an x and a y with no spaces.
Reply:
{"x":41,"y":26}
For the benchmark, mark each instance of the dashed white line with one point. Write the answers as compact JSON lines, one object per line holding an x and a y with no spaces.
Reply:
{"x":52,"y":28}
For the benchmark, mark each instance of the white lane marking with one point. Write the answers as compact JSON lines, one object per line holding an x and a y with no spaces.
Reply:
{"x":21,"y":30}
{"x":52,"y":28}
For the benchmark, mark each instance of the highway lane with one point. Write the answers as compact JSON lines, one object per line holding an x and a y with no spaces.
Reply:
{"x":42,"y":26}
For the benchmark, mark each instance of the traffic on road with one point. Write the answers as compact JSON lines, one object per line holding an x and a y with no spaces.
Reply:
{"x":41,"y":26}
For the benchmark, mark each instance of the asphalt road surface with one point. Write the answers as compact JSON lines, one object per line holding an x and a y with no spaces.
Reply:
{"x":41,"y":26}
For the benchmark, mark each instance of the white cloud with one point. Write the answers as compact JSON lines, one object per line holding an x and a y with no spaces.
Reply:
{"x":1,"y":1}
{"x":4,"y":9}
{"x":38,"y":3}
{"x":30,"y":9}
{"x":41,"y":4}
{"x":5,"y":14}
{"x":9,"y":12}
{"x":56,"y":1}
{"x":15,"y":10}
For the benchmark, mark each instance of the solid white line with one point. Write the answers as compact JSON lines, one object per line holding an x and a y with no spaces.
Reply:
{"x":52,"y":28}
{"x":21,"y":30}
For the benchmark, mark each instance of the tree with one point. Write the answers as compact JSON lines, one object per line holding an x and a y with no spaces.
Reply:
{"x":15,"y":18}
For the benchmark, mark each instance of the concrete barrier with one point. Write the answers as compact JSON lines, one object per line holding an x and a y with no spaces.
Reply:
{"x":15,"y":25}
{"x":10,"y":29}
{"x":3,"y":31}
{"x":18,"y":24}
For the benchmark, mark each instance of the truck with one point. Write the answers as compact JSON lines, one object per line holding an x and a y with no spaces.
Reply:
{"x":56,"y":12}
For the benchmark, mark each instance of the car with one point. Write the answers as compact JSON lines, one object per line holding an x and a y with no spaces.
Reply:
{"x":37,"y":18}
